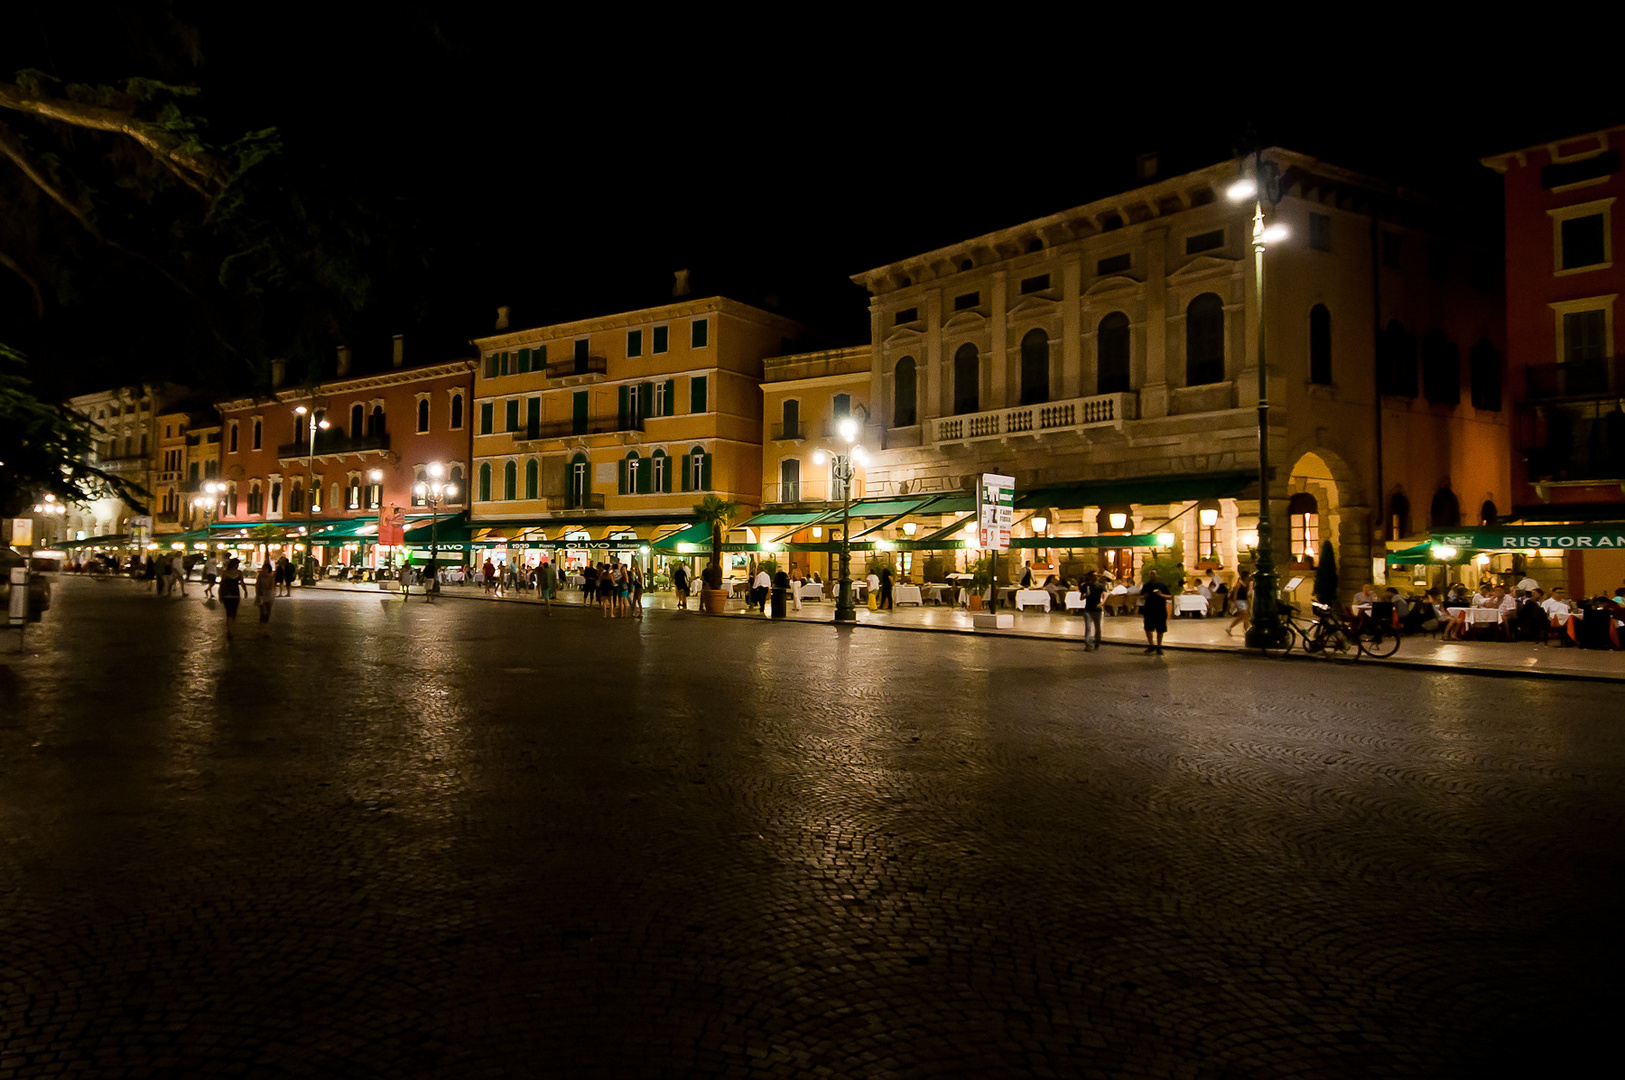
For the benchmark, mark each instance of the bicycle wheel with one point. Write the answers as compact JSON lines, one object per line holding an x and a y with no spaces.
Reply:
{"x":1378,"y":643}
{"x":1289,"y":638}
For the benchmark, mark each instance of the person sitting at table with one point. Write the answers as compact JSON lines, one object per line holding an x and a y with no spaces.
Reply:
{"x":1402,"y":606}
{"x":1026,"y":575}
{"x":1455,"y":616}
{"x":1423,"y":616}
{"x":1366,"y":596}
{"x":1530,"y":622}
{"x":1556,"y":605}
{"x":1482,"y":597}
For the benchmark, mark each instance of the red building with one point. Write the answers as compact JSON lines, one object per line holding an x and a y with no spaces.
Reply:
{"x":1563,"y":229}
{"x":383,"y":430}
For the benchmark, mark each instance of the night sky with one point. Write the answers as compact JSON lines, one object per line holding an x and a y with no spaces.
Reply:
{"x":566,"y":168}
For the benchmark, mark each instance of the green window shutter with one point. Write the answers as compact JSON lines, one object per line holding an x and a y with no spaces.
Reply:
{"x":578,"y":412}
{"x":646,"y":470}
{"x":530,"y":479}
{"x":485,"y":482}
{"x":538,"y":359}
{"x":671,"y":397}
{"x":705,"y":472}
{"x":486,"y":410}
{"x":505,"y":361}
{"x":646,"y":400}
{"x":696,"y":394}
{"x":623,"y":397}
{"x":524,"y":361}
{"x":513,"y":414}
{"x":620,"y":476}
{"x":491,"y":366}
{"x":533,"y":417}
{"x":686,"y":467}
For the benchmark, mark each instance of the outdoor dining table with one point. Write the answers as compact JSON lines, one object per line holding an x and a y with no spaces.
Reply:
{"x":906,"y":594}
{"x":812,"y":590}
{"x":937,"y":593}
{"x":1190,"y":602}
{"x":1026,"y":598}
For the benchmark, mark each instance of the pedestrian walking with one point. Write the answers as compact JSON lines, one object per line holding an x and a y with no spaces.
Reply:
{"x":762,"y":586}
{"x":795,"y":585}
{"x":488,"y":576}
{"x":231,"y":593}
{"x":264,"y":595}
{"x":546,"y":584}
{"x":284,"y":569}
{"x":1094,"y":594}
{"x":635,"y":580}
{"x":211,"y":570}
{"x":177,"y":573}
{"x":1240,"y":601}
{"x":885,"y":588}
{"x":405,"y":578}
{"x":679,"y":584}
{"x":1154,"y":596}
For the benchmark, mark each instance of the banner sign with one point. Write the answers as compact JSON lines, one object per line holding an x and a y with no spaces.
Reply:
{"x":392,"y":526}
{"x":1606,"y":536}
{"x":22,"y":532}
{"x":995,"y":511}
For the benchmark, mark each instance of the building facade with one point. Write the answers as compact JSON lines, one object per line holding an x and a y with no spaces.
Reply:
{"x":1563,"y":229}
{"x":126,"y":446}
{"x":1106,"y":357}
{"x":279,"y":464}
{"x":611,"y":428}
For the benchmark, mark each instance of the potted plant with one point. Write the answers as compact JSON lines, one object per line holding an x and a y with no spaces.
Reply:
{"x":981,"y":575}
{"x":716,"y":512}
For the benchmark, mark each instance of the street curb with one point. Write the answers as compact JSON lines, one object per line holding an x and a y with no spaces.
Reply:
{"x":1412,"y":665}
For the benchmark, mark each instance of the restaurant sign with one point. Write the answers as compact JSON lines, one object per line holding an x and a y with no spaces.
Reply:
{"x":1608,"y":536}
{"x":995,"y":511}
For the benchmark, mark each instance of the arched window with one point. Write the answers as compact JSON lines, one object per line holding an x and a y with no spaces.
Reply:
{"x":255,"y":505}
{"x":1204,"y":340}
{"x":1484,"y":373}
{"x":1303,"y":512}
{"x":375,"y":422}
{"x":905,"y":409}
{"x":1320,"y":345}
{"x":510,"y":480}
{"x":456,"y":412}
{"x":790,"y":419}
{"x":1399,"y":516}
{"x":1441,"y":369}
{"x":485,"y":481}
{"x":232,"y":444}
{"x":456,"y":477}
{"x":1112,"y":351}
{"x":662,"y":471}
{"x":1396,"y":361}
{"x":967,"y":380}
{"x":336,"y":496}
{"x":358,"y":421}
{"x":256,"y":435}
{"x":296,"y":497}
{"x":1445,"y":513}
{"x":634,"y":477}
{"x":231,"y":499}
{"x":1486,"y":513}
{"x":531,"y":478}
{"x":1034,"y":368}
{"x":698,"y":469}
{"x":423,"y":415}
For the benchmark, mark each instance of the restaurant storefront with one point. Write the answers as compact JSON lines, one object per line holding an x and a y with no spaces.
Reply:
{"x":1586,"y":559}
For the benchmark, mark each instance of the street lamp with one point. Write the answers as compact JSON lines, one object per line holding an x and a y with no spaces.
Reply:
{"x":310,"y":492}
{"x":432,"y":491}
{"x":208,"y":502}
{"x":50,"y":509}
{"x":842,"y":470}
{"x":1265,"y":630}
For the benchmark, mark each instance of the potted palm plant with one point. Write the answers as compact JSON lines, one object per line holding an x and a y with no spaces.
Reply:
{"x":716,"y":512}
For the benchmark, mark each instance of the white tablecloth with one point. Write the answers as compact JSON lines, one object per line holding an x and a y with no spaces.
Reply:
{"x":1484,"y":615}
{"x":1189,"y":602}
{"x":906,"y":594}
{"x":937,"y":593}
{"x":812,"y":590}
{"x":1074,"y":601}
{"x":1026,"y":598}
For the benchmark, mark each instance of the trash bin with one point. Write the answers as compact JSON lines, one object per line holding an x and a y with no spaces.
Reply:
{"x":781,"y":594}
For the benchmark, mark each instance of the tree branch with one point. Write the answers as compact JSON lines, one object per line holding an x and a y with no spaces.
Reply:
{"x":198,"y":171}
{"x":16,"y":268}
{"x":14,"y":150}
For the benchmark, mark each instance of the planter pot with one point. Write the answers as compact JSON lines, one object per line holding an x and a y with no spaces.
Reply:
{"x":975,"y":602}
{"x":713,"y":601}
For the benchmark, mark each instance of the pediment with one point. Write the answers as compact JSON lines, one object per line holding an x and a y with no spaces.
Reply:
{"x":1033,"y":303}
{"x":1203,"y":265}
{"x":903,"y":335}
{"x":966,"y":320}
{"x":1115,"y":283}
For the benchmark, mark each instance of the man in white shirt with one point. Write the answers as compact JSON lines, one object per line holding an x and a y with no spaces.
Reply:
{"x":1528,"y":585}
{"x":762,"y":586}
{"x":1558,"y":606}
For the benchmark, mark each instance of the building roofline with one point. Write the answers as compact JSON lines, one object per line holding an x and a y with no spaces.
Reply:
{"x":1503,"y":161}
{"x":387,"y":377}
{"x":677,"y":309}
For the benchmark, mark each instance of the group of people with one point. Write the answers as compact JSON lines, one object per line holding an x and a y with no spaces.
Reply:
{"x":618,"y":588}
{"x":498,"y":578}
{"x":1527,"y":611}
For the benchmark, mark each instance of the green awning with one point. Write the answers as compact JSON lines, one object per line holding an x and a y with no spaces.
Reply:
{"x":116,"y":540}
{"x":190,"y":537}
{"x":697,"y":534}
{"x":1424,"y":553}
{"x":1595,"y":536}
{"x":453,"y":529}
{"x":778,"y":517}
{"x":1157,"y":490}
{"x":1070,"y":543}
{"x":352,"y":531}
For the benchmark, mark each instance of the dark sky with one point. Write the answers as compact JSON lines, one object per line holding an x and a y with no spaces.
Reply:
{"x":567,"y":165}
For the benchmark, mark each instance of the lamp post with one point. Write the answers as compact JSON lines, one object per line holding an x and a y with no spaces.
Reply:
{"x":50,"y":510}
{"x":375,"y":478}
{"x":309,"y":573}
{"x":432,"y":491}
{"x":842,"y":471}
{"x":208,"y":502}
{"x":1265,"y":630}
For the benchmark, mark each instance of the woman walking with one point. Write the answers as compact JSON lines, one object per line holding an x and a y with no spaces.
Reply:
{"x":211,"y":570}
{"x":546,"y":584}
{"x":264,"y":594}
{"x":1239,"y":601}
{"x":679,"y":584}
{"x":636,"y":577}
{"x":231,"y":593}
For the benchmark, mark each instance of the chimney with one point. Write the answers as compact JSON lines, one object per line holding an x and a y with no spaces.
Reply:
{"x":279,"y":372}
{"x":502,"y":318}
{"x":1146,"y":166}
{"x":398,"y":357}
{"x":679,"y":284}
{"x":344,"y":360}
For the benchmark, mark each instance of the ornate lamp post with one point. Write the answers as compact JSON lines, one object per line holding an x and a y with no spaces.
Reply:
{"x":207,"y":502}
{"x":51,"y":511}
{"x":842,"y":470}
{"x":1265,"y":631}
{"x":432,"y":491}
{"x":309,"y":573}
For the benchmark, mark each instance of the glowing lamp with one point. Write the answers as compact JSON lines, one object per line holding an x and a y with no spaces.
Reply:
{"x":1040,"y":524}
{"x":1276,"y":233}
{"x":1248,"y":538}
{"x":1117,"y":521}
{"x":909,"y":527}
{"x":849,"y":429}
{"x":1242,"y":190}
{"x":376,"y":476}
{"x":300,"y":410}
{"x":819,"y":457}
{"x":1208,"y":518}
{"x":1165,"y":539}
{"x":1483,"y":560}
{"x":817,"y":532}
{"x":1443,"y":551}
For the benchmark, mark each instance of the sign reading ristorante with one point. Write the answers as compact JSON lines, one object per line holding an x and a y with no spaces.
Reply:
{"x":1602,"y":535}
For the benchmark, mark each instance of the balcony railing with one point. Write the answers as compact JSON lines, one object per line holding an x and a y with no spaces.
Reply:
{"x":1572,"y":441}
{"x":563,"y":369}
{"x":563,"y":429}
{"x":1070,"y":415}
{"x":557,"y":504}
{"x":1601,"y":377}
{"x":787,"y":431}
{"x":331,"y":442}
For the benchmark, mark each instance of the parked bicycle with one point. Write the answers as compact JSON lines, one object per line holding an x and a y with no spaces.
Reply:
{"x":1328,"y":634}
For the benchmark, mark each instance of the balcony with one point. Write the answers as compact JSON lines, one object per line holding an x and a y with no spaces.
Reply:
{"x":584,"y":369}
{"x":794,"y":431}
{"x":332,"y":442}
{"x":1102,"y":410}
{"x":563,"y":429}
{"x":565,"y":504}
{"x":1575,"y":379}
{"x":1572,"y":441}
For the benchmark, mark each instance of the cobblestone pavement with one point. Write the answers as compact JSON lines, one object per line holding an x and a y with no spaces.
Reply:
{"x":464,"y":839}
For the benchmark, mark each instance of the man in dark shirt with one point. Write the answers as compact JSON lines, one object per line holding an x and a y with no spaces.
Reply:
{"x":1154,"y":596}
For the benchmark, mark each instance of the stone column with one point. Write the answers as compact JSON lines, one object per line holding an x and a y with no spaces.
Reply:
{"x":993,"y":388}
{"x":1154,"y":390}
{"x":1071,"y":331}
{"x":929,"y":369}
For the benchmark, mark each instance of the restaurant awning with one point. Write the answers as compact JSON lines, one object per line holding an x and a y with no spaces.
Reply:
{"x":1593,"y":536}
{"x":452,"y":533}
{"x":190,"y":537}
{"x":697,"y":534}
{"x":1156,"y":490}
{"x":353,"y":531}
{"x":115,"y":540}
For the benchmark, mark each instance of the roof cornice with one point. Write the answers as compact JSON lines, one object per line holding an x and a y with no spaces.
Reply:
{"x":685,"y":308}
{"x":375,"y":381}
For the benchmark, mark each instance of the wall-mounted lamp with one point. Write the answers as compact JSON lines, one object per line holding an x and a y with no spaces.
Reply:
{"x":1118,"y":520}
{"x":1208,"y":517}
{"x":1040,"y":524}
{"x":909,"y":527}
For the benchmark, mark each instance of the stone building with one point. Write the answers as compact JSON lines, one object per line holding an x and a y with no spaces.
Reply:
{"x":127,"y":447}
{"x":1106,"y":357}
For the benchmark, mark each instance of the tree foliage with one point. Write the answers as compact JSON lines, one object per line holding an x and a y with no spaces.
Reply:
{"x":1326,"y":574}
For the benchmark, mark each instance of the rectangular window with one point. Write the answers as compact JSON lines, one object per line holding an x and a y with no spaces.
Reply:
{"x":1320,"y":232}
{"x":1582,"y":241}
{"x":524,"y":361}
{"x":1034,"y":284}
{"x":1585,"y":336}
{"x":662,"y":403}
{"x":1390,"y":250}
{"x":491,"y":366}
{"x":485,"y":418}
{"x":513,"y":415}
{"x":907,"y":315}
{"x":581,"y":350}
{"x":634,"y":343}
{"x":696,"y":394}
{"x":1204,"y":241}
{"x":533,"y":417}
{"x":1114,"y":265}
{"x":658,"y":344}
{"x":700,"y":334}
{"x":966,"y":301}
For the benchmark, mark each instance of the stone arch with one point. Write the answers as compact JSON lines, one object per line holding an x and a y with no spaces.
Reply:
{"x":1344,"y":512}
